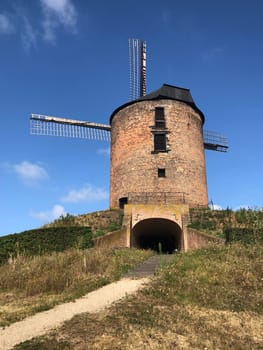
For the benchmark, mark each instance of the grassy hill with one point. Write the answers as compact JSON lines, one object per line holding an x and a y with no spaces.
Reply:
{"x":66,"y":232}
{"x":244,"y":225}
{"x":98,"y":221}
{"x":205,"y":299}
{"x":78,"y":231}
{"x":29,"y":284}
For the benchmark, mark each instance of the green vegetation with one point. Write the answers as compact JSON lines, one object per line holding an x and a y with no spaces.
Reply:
{"x":66,"y":232}
{"x":226,"y":278}
{"x":113,"y":226}
{"x":205,"y":299}
{"x":65,"y":220}
{"x":37,"y":283}
{"x":43,"y":241}
{"x":244,"y":225}
{"x":112,"y":222}
{"x":97,"y":221}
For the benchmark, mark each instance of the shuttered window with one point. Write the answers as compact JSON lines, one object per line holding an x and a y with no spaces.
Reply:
{"x":159,"y":117}
{"x":159,"y":142}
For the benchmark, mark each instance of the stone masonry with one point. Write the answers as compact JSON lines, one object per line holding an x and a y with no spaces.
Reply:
{"x":134,"y":164}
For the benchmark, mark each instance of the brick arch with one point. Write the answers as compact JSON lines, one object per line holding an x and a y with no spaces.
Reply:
{"x":149,"y":233}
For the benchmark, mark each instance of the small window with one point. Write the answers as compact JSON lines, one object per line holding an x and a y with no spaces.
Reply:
{"x":161,"y":172}
{"x":159,"y":142}
{"x":159,"y":117}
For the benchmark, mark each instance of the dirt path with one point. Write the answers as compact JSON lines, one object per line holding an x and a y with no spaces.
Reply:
{"x":43,"y":322}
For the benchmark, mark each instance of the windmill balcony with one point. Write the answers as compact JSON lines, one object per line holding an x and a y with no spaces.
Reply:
{"x":156,"y":198}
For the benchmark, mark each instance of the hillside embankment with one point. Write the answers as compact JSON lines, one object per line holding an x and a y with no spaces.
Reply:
{"x":210,"y":298}
{"x":206,"y":299}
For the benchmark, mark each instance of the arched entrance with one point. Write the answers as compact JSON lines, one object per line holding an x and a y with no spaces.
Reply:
{"x":151,"y":233}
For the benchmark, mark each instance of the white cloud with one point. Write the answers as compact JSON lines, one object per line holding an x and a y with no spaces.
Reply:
{"x":49,"y":215}
{"x":242,"y":206}
{"x":215,"y":206}
{"x":28,"y":35}
{"x":21,"y":25}
{"x":30,"y":173}
{"x":49,"y":27}
{"x":58,"y":12}
{"x":104,"y":151}
{"x":63,"y":9}
{"x":6,"y":26}
{"x":87,"y":193}
{"x":55,"y":13}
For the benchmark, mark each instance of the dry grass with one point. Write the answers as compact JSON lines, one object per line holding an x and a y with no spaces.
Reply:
{"x":223,"y":278}
{"x":99,"y":220}
{"x":208,"y":299}
{"x":32,"y":284}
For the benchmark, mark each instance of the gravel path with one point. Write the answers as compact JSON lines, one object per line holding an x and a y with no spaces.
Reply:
{"x":43,"y":322}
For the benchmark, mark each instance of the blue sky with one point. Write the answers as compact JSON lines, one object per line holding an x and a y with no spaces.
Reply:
{"x":69,"y":58}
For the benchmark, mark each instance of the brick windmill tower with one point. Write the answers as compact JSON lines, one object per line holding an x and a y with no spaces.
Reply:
{"x":157,"y":158}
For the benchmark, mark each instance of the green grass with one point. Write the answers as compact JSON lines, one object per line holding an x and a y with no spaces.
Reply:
{"x":205,"y":299}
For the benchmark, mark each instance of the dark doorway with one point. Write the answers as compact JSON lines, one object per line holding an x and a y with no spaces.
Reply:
{"x":122,"y":202}
{"x":155,"y":233}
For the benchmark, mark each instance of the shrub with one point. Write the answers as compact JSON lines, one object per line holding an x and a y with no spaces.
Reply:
{"x":44,"y":240}
{"x":244,"y":235}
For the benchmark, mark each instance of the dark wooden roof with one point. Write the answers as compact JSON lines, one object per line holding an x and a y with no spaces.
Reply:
{"x":168,"y":92}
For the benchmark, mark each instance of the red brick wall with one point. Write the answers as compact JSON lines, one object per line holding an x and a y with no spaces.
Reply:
{"x":134,"y":168}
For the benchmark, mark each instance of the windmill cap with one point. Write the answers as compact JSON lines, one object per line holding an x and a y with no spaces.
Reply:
{"x":168,"y":92}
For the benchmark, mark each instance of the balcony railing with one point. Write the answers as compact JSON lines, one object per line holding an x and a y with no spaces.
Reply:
{"x":156,"y":197}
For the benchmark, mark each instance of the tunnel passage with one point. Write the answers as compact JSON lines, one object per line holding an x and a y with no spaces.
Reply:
{"x":150,"y":233}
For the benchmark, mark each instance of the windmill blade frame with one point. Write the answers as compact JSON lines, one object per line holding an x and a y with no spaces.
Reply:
{"x":214,"y":141}
{"x":54,"y":126}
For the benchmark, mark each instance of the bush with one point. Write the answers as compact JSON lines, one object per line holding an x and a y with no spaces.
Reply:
{"x":44,"y":240}
{"x":113,"y":226}
{"x":243,"y":235}
{"x":205,"y":225}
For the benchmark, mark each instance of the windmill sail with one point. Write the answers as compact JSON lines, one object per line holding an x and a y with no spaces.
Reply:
{"x":215,"y":142}
{"x":54,"y":126}
{"x":137,"y":55}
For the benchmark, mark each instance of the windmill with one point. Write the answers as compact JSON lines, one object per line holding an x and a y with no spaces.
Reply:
{"x":56,"y":126}
{"x":157,"y":157}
